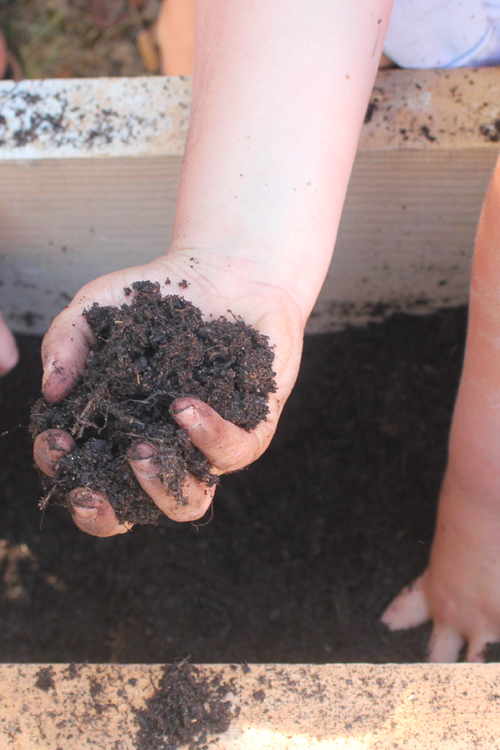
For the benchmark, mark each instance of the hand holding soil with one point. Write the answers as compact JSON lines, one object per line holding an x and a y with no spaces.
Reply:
{"x":218,"y":291}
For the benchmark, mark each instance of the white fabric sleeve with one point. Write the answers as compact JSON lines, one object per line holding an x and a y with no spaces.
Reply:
{"x":444,"y":33}
{"x":492,"y":8}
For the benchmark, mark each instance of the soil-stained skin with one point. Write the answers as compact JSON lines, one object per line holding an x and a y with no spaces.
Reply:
{"x":150,"y":353}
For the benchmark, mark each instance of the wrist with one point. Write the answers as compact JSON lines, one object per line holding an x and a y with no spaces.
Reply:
{"x":255,"y":271}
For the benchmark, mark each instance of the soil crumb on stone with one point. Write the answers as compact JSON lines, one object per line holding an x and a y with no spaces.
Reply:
{"x":184,"y":709}
{"x":45,"y":679}
{"x":150,"y":353}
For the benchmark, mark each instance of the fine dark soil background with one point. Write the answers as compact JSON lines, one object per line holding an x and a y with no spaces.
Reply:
{"x":305,"y":548}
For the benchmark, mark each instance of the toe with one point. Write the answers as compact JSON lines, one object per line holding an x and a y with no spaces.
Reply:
{"x":445,"y":645}
{"x":477,"y":646}
{"x":408,"y":610}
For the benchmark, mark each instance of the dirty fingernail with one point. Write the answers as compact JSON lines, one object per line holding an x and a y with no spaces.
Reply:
{"x":140,"y":452}
{"x":187,"y":418}
{"x":54,"y":454}
{"x":86,"y":514}
{"x":59,"y":443}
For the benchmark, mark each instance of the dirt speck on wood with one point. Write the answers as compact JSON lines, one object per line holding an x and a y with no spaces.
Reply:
{"x":148,"y":354}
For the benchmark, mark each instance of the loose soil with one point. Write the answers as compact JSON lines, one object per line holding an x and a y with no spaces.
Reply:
{"x":184,"y":708}
{"x":306,"y":547}
{"x":148,"y":354}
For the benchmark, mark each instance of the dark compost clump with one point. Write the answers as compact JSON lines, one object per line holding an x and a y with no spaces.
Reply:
{"x":148,"y":354}
{"x":185,"y":707}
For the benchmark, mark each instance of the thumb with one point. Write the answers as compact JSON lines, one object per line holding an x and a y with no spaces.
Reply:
{"x":65,"y":349}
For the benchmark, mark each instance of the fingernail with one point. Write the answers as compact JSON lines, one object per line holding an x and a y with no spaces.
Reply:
{"x":187,"y":418}
{"x":47,"y":372}
{"x":140,"y":452}
{"x":86,"y":514}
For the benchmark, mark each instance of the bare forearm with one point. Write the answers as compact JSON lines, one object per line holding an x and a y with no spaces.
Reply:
{"x":280,"y":91}
{"x":475,"y":434}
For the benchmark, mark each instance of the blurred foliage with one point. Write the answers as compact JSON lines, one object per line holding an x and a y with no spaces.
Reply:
{"x":77,"y":38}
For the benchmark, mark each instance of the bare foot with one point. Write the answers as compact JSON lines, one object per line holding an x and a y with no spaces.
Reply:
{"x":460,"y":590}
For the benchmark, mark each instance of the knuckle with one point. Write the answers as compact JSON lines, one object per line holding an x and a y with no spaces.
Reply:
{"x":238,"y":454}
{"x":216,"y":439}
{"x":239,"y":458}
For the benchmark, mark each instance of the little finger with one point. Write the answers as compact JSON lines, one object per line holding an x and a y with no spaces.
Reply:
{"x":93,"y":513}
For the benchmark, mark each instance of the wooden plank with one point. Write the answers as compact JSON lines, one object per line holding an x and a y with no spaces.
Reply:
{"x":405,"y":239}
{"x":274,"y":707}
{"x":61,"y":227}
{"x":406,"y":235}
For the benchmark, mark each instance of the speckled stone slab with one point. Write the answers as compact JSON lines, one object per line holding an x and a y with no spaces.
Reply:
{"x":81,"y":118}
{"x":148,"y":116}
{"x":274,"y":707}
